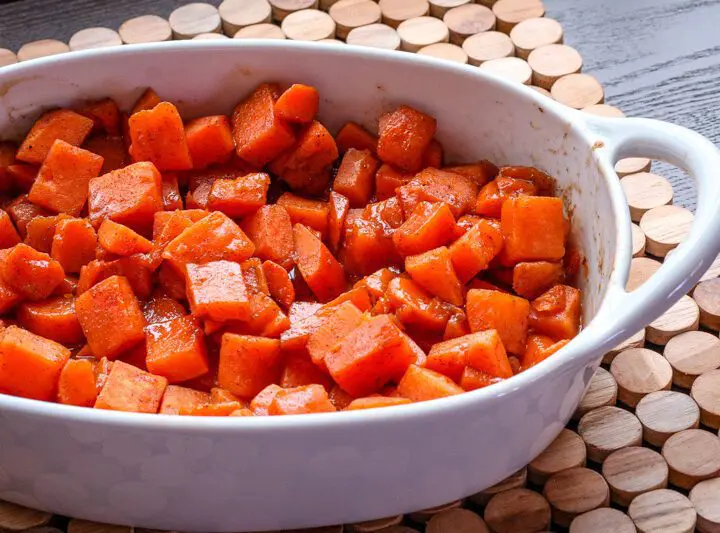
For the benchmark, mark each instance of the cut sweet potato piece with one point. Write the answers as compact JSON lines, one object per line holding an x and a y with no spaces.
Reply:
{"x":369,"y":234}
{"x":405,"y":134}
{"x":301,"y":400}
{"x":508,"y":314}
{"x":134,"y":268}
{"x":320,"y":270}
{"x":261,"y":403}
{"x":545,"y":184}
{"x":157,"y":135}
{"x":334,"y":327}
{"x":241,"y":196}
{"x":481,"y":172}
{"x":121,"y":240}
{"x":414,"y":307}
{"x":532,"y":279}
{"x":176,"y":349}
{"x":433,"y":185}
{"x":556,"y":313}
{"x":270,"y":230}
{"x":539,"y":348}
{"x":433,"y":271}
{"x":482,"y":351}
{"x":148,"y":99}
{"x":111,"y":149}
{"x":353,"y":135}
{"x":375,"y":402}
{"x":279,"y":284}
{"x":299,"y":103}
{"x":427,"y":227}
{"x":433,"y":156}
{"x":521,"y":218}
{"x":299,"y":370}
{"x":475,"y":379}
{"x":30,"y":365}
{"x":32,"y":274}
{"x":73,"y":244}
{"x":54,"y":319}
{"x":161,"y":308}
{"x":248,"y":364}
{"x":355,"y":176}
{"x":77,"y":383}
{"x":209,"y":140}
{"x":457,"y":326}
{"x":388,"y":179}
{"x":61,"y":124}
{"x":8,"y":234}
{"x":310,"y":213}
{"x":217,"y":290}
{"x":493,"y":195}
{"x":171,"y":192}
{"x":422,"y":384}
{"x":110,"y":317}
{"x":105,"y":115}
{"x":130,"y":389}
{"x":178,"y":399}
{"x":40,"y":232}
{"x":339,"y":207}
{"x":473,"y":251}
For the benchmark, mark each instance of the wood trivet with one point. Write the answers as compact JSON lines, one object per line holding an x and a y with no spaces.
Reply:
{"x":629,"y":437}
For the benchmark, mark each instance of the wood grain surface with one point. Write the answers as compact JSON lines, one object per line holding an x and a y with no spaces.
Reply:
{"x":656,"y":58}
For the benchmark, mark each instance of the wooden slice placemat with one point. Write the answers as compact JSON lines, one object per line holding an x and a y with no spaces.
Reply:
{"x":630,"y":437}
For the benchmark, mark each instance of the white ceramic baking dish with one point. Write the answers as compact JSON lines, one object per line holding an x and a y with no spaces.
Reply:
{"x":244,"y":474}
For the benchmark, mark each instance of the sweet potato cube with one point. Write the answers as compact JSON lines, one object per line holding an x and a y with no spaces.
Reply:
{"x":433,"y":185}
{"x":482,"y":351}
{"x":130,"y":389}
{"x":8,"y":234}
{"x":370,"y":356}
{"x":30,"y":365}
{"x":261,"y":402}
{"x":300,"y":401}
{"x":493,"y":195}
{"x":339,"y":206}
{"x":353,"y":135}
{"x":217,"y":290}
{"x":176,"y":349}
{"x":134,"y":268}
{"x":279,"y":284}
{"x":474,"y":250}
{"x":321,"y":271}
{"x":158,"y":135}
{"x":415,"y":307}
{"x":248,"y":364}
{"x":310,"y":213}
{"x":61,"y":185}
{"x":148,"y":99}
{"x":178,"y":399}
{"x":334,"y":327}
{"x":209,"y":140}
{"x":422,"y":384}
{"x":128,"y":196}
{"x":405,"y":134}
{"x":433,"y":271}
{"x":121,"y":240}
{"x":474,"y":379}
{"x":508,"y":314}
{"x":355,"y":176}
{"x":54,"y":319}
{"x":556,"y":313}
{"x":375,"y":402}
{"x":60,"y":124}
{"x":77,"y":383}
{"x":260,"y":136}
{"x":254,"y":276}
{"x":40,"y":232}
{"x":32,"y":274}
{"x":74,"y":244}
{"x":534,"y":228}
{"x":105,"y":115}
{"x":532,"y":279}
{"x":240,"y":196}
{"x":111,"y":149}
{"x":110,"y":317}
{"x":481,"y":172}
{"x":299,"y":370}
{"x":213,"y":238}
{"x":427,"y":227}
{"x":388,"y":179}
{"x":539,"y":348}
{"x":270,"y":230}
{"x":299,"y":103}
{"x":161,"y":308}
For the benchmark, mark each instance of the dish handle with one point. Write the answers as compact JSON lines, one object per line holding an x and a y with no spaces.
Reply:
{"x":632,"y":137}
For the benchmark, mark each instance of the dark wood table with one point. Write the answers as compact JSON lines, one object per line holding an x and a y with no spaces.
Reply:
{"x":656,"y":58}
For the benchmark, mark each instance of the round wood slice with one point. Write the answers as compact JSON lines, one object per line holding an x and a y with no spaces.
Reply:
{"x":639,"y":371}
{"x":705,"y":497}
{"x":282,"y":8}
{"x":637,"y":340}
{"x":84,"y":526}
{"x":351,"y":14}
{"x":641,"y":268}
{"x":607,"y":429}
{"x":645,"y":191}
{"x":17,"y":518}
{"x":7,"y":57}
{"x":566,"y":451}
{"x":447,"y":51}
{"x":438,"y":8}
{"x":603,"y":520}
{"x":43,"y":48}
{"x":662,"y":511}
{"x":375,"y":36}
{"x":639,"y":240}
{"x":94,"y":38}
{"x":632,"y":165}
{"x":486,"y":46}
{"x":706,"y":392}
{"x":467,"y":20}
{"x":692,"y":455}
{"x":418,"y":32}
{"x":308,"y":25}
{"x":510,"y":13}
{"x":534,"y":33}
{"x":574,"y":492}
{"x":380,"y":524}
{"x":396,"y":11}
{"x":542,"y":91}
{"x":604,"y":110}
{"x":193,"y":19}
{"x":260,"y":31}
{"x":210,"y":37}
{"x":633,"y":471}
{"x":602,"y":391}
{"x":578,"y":91}
{"x":510,"y":68}
{"x":237,"y":14}
{"x":145,"y":29}
{"x":550,"y":62}
{"x":713,"y":270}
{"x":665,"y":227}
{"x":683,"y":316}
{"x":515,"y":481}
{"x":707,"y":296}
{"x":423,"y":516}
{"x":456,"y":521}
{"x":487,"y":3}
{"x":691,"y":354}
{"x":517,"y":511}
{"x":664,"y":413}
